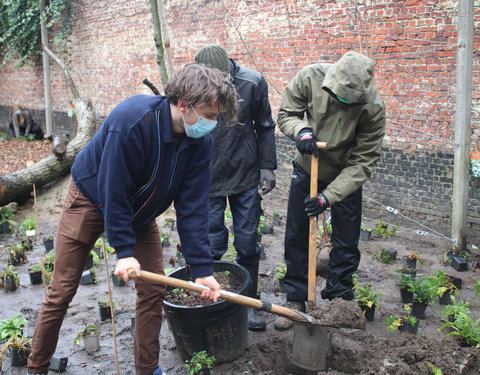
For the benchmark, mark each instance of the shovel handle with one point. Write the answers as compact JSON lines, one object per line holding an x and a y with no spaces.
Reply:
{"x":322,"y":145}
{"x":229,"y":296}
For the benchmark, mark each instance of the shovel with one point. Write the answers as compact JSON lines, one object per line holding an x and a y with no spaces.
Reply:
{"x":229,"y":296}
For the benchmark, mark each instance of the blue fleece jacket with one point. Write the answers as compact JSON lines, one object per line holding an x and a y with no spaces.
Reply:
{"x":133,"y":169}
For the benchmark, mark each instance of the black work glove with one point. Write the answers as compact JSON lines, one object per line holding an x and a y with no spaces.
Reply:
{"x":268,"y":178}
{"x":306,"y":142}
{"x":316,"y":205}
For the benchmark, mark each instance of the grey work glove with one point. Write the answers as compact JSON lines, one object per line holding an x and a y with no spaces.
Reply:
{"x":267,"y":178}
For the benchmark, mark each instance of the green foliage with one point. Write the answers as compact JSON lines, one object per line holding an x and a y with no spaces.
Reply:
{"x":477,"y":289}
{"x":9,"y":272}
{"x":454,"y":309}
{"x":228,"y":214}
{"x":393,"y":322}
{"x":466,"y":327}
{"x":383,"y":230}
{"x":365,"y":228}
{"x":36,"y":267}
{"x":435,"y":370}
{"x":365,"y":296}
{"x":444,"y":283}
{"x":413,"y":255}
{"x":198,"y":361}
{"x":11,"y":326}
{"x":425,"y":290}
{"x":384,"y":256}
{"x":28,"y":224}
{"x":17,"y":342}
{"x":20,"y":24}
{"x":407,"y":282}
{"x":86,"y":331}
{"x":6,"y":214}
{"x":280,"y":271}
{"x":104,"y":301}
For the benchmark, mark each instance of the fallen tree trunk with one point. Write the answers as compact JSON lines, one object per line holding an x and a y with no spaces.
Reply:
{"x":17,"y":186}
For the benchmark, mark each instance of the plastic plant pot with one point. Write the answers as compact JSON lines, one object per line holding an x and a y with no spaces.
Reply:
{"x":369,"y":313}
{"x":406,"y":296}
{"x":35,"y":277}
{"x":418,"y":309}
{"x":91,"y":342}
{"x":117,"y":280}
{"x":408,"y":328}
{"x":19,"y":357}
{"x":58,"y":363}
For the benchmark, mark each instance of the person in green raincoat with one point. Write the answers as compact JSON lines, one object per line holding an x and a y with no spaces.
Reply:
{"x":337,"y":104}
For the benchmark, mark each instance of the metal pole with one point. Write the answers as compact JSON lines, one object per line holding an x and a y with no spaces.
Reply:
{"x":462,"y":122}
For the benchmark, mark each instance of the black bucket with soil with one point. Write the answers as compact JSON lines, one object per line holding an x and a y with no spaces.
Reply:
{"x":221,"y":328}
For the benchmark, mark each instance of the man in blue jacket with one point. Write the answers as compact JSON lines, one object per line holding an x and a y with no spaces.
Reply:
{"x":243,"y":160}
{"x":150,"y":151}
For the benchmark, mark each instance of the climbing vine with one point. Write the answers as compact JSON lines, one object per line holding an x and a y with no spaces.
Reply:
{"x":20,"y":24}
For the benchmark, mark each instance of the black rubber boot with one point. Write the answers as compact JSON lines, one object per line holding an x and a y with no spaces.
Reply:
{"x":254,"y":321}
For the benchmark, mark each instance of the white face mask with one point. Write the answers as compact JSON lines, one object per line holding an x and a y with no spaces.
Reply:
{"x":201,"y":128}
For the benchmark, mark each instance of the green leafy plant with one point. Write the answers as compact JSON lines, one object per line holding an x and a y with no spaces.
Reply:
{"x":199,"y":361}
{"x":36,"y":267}
{"x":466,"y":327}
{"x":365,"y":228}
{"x":450,"y":312}
{"x":393,"y":322}
{"x":11,"y":326}
{"x":17,"y":254}
{"x":477,"y":289}
{"x":88,"y":330}
{"x":365,"y":296}
{"x":425,"y":290}
{"x":383,"y":230}
{"x":444,"y":284}
{"x":6,"y":216}
{"x":28,"y":224}
{"x":228,"y":214}
{"x":15,"y":342}
{"x":435,"y":370}
{"x":104,"y":301}
{"x":280,"y":271}
{"x":407,"y":282}
{"x":384,"y":256}
{"x":10,"y":272}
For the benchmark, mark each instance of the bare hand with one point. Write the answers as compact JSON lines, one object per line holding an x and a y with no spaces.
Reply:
{"x":214,"y":292}
{"x":123,"y":265}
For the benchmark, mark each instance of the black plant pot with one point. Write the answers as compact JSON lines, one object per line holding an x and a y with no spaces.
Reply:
{"x":87,"y":278}
{"x":117,"y":280}
{"x":369,"y":313}
{"x":19,"y":357}
{"x":418,"y":309}
{"x":457,"y":281}
{"x":204,"y":371}
{"x":365,"y":235}
{"x":18,"y":259}
{"x":165,"y":242}
{"x":408,"y":328}
{"x":409,"y":263}
{"x":104,"y":312}
{"x":266,"y":229}
{"x":410,"y":271}
{"x":281,"y":285}
{"x":406,"y":296}
{"x":220,"y":328}
{"x":35,"y":277}
{"x":89,"y":262}
{"x":5,"y":228}
{"x":132,"y":326}
{"x":10,"y":284}
{"x":58,"y":363}
{"x":446,"y":299}
{"x":48,"y":244}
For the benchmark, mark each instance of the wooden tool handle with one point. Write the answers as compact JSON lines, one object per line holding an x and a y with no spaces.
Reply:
{"x":322,"y":145}
{"x":312,"y":240}
{"x":229,"y":296}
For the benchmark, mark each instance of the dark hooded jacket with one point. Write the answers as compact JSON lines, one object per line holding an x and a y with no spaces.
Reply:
{"x":354,"y":133}
{"x":242,"y":149}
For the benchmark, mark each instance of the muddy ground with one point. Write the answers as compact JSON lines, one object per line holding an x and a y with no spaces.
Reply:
{"x":370,"y":351}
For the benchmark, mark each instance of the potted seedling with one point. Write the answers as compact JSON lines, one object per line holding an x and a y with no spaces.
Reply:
{"x":366,"y":298}
{"x":10,"y":280}
{"x":17,"y":254}
{"x":165,"y":238}
{"x":385,"y":230}
{"x":7,"y":224}
{"x":466,"y":327}
{"x":406,"y":284}
{"x":386,"y":256}
{"x":91,"y":338}
{"x":445,"y":288}
{"x":89,"y":276}
{"x":47,"y":266}
{"x":28,"y":227}
{"x":104,"y":308}
{"x":424,"y":293}
{"x":280,"y":272}
{"x":410,"y":260}
{"x":404,"y":323}
{"x":277,"y":218}
{"x":200,"y":363}
{"x":365,"y":233}
{"x":451,"y":312}
{"x":20,"y":348}
{"x":117,"y":280}
{"x":12,"y":326}
{"x":48,"y":243}
{"x":35,"y":274}
{"x":263,"y":227}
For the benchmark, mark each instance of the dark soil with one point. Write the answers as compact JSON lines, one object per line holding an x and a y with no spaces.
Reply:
{"x":368,"y":351}
{"x":178,"y":296}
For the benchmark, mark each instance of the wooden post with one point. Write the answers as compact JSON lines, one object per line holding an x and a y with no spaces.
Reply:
{"x":462,"y":122}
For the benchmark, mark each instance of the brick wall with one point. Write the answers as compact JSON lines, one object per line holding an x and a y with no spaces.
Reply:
{"x":412,"y":42}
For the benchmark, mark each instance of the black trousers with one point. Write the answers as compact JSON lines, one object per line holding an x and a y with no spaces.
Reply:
{"x":346,"y":217}
{"x":35,"y":130}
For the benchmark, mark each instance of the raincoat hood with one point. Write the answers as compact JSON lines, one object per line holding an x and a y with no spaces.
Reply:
{"x":350,"y":78}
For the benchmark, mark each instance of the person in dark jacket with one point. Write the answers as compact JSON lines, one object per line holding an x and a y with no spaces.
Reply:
{"x":243,"y":160}
{"x":150,"y":151}
{"x":22,"y":124}
{"x":337,"y":104}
